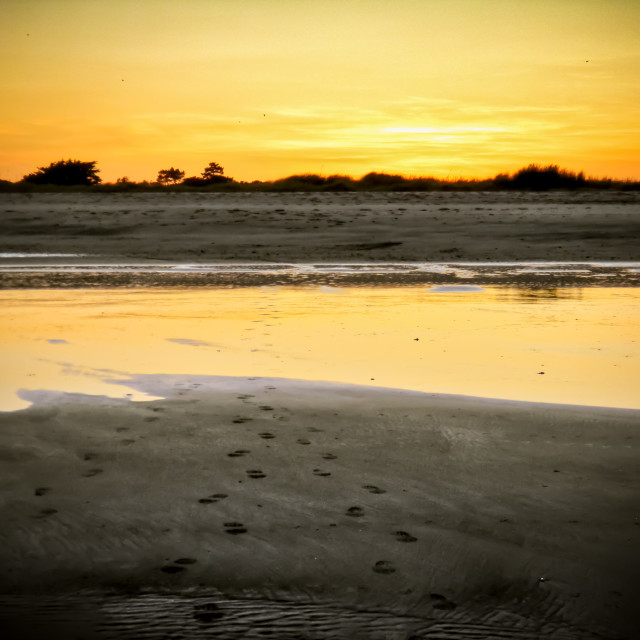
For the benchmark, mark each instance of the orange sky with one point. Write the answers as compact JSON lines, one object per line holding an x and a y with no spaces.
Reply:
{"x":268,"y":88}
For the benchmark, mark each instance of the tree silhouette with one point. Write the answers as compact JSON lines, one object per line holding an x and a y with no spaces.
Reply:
{"x":170,"y":176}
{"x":212,"y":170}
{"x":65,"y":173}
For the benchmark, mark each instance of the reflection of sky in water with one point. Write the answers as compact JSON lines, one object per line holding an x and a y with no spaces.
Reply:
{"x":578,"y":346}
{"x":456,"y":288}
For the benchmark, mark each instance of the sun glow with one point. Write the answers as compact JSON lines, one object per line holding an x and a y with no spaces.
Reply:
{"x":274,"y":88}
{"x":439,"y":130}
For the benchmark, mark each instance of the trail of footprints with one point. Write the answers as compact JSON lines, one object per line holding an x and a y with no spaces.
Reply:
{"x":381,"y":567}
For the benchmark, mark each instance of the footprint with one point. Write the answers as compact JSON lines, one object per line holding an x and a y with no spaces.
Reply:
{"x":320,"y":472}
{"x":212,"y":499}
{"x":41,"y":491}
{"x":355,"y":512}
{"x":234,"y":528}
{"x":329,"y":456}
{"x":92,"y":472}
{"x":238,"y":453}
{"x":152,"y":419}
{"x":266,"y":407}
{"x":314,"y":430}
{"x":371,"y":488}
{"x":403,"y":536}
{"x":207,"y":613}
{"x":266,"y":435}
{"x":185,"y":561}
{"x":170,"y":568}
{"x":242,"y":420}
{"x":384,"y":566}
{"x":90,"y":456}
{"x":440,"y":602}
{"x":45,"y":513}
{"x":127,"y":441}
{"x":121,"y":429}
{"x":303,"y":441}
{"x":255,"y":474}
{"x":245,"y":396}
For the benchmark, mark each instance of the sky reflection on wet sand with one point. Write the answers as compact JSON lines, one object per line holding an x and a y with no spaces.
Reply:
{"x":570,"y":345}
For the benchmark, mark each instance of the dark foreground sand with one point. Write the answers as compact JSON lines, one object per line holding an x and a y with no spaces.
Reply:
{"x":251,"y":507}
{"x":310,"y":227}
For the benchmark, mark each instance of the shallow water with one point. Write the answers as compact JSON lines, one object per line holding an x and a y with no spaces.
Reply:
{"x":561,"y":345}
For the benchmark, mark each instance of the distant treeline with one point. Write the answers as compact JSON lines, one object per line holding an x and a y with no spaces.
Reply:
{"x":75,"y":175}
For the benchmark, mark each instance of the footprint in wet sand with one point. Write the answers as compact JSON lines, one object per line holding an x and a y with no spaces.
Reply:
{"x":314,"y":430}
{"x":90,"y":456}
{"x":245,"y":396}
{"x":41,"y":491}
{"x":266,"y":435}
{"x":320,"y":472}
{"x":371,"y":488}
{"x":403,"y":536}
{"x":303,"y":441}
{"x":152,"y":419}
{"x":185,"y":561}
{"x":355,"y":512}
{"x":171,"y":568}
{"x":238,"y":453}
{"x":329,"y":456}
{"x":92,"y":472}
{"x":384,"y":566}
{"x":255,"y":474}
{"x":207,"y":612}
{"x":234,"y":528}
{"x":212,"y":499}
{"x":121,"y":429}
{"x":45,"y":513}
{"x":440,"y":602}
{"x":266,"y":407}
{"x":241,"y":420}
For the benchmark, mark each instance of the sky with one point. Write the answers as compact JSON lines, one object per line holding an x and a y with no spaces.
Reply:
{"x":270,"y":88}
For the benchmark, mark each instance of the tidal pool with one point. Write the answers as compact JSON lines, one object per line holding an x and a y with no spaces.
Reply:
{"x":565,"y":345}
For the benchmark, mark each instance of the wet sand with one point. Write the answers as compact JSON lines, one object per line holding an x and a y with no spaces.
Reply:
{"x":304,"y":227}
{"x":305,"y":507}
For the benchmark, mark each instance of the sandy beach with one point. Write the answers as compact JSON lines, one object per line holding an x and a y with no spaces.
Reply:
{"x":346,"y":227}
{"x":240,"y":507}
{"x":442,"y":512}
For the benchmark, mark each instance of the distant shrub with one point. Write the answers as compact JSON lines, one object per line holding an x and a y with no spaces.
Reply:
{"x":338,"y":183}
{"x":65,"y":173}
{"x":196,"y":181}
{"x":300,"y":182}
{"x":375,"y":180}
{"x":542,"y":178}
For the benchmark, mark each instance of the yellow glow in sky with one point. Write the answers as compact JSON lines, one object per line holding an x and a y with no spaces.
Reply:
{"x":268,"y":88}
{"x":491,"y":343}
